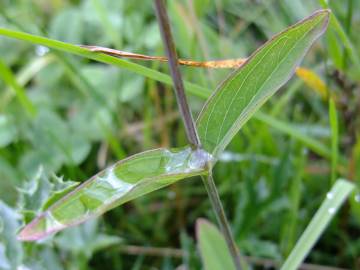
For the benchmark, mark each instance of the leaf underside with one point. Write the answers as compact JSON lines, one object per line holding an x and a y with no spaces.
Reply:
{"x":124,"y":181}
{"x":250,"y":86}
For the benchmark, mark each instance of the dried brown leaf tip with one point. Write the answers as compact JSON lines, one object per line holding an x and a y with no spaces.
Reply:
{"x":227,"y":63}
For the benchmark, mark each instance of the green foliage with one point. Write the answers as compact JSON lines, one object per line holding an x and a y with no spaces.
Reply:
{"x":11,"y":252}
{"x":122,"y":182}
{"x":89,"y":115}
{"x":247,"y":89}
{"x":334,"y":198}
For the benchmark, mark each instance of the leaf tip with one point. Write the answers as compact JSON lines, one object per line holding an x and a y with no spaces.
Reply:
{"x":36,"y":230}
{"x":200,"y":223}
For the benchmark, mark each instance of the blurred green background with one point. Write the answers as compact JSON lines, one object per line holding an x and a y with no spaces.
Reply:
{"x":88,"y":115}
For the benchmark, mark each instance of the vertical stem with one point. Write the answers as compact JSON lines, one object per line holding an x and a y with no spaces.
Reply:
{"x":175,"y":73}
{"x":349,"y":16}
{"x":221,"y":218}
{"x":190,"y":126}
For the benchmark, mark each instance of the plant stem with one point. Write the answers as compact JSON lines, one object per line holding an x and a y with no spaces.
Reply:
{"x":221,"y":218}
{"x":175,"y":73}
{"x":190,"y":126}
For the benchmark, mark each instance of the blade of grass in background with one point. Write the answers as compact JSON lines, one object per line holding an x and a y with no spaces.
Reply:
{"x":315,"y":146}
{"x":249,"y":87}
{"x":74,"y":49}
{"x":333,"y":118}
{"x":147,"y":72}
{"x":339,"y":192}
{"x":336,"y":26}
{"x":24,"y":76}
{"x":122,"y":182}
{"x":289,"y":228}
{"x":10,"y":79}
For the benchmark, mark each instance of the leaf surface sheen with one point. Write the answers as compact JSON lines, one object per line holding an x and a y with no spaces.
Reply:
{"x":122,"y":182}
{"x":250,"y":86}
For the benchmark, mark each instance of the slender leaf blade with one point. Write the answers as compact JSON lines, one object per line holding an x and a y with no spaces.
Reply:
{"x":77,"y":50}
{"x":246,"y":89}
{"x":334,"y":124}
{"x":122,"y":182}
{"x":334,"y":199}
{"x":214,"y":252}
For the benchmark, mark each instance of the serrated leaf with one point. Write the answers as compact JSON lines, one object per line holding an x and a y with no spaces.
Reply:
{"x":213,"y":249}
{"x":122,"y":182}
{"x":11,"y":252}
{"x":246,"y":89}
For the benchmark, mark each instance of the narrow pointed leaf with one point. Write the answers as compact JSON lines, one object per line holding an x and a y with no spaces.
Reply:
{"x":213,"y":248}
{"x":334,"y":199}
{"x":75,"y":49}
{"x":246,"y":89}
{"x":122,"y":182}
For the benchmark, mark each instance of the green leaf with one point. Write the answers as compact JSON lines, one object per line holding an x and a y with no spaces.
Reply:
{"x":8,"y":131}
{"x":7,"y":75}
{"x":11,"y":253}
{"x":40,"y":192}
{"x":213,"y":248}
{"x":122,"y":182}
{"x":250,"y":86}
{"x":74,"y":49}
{"x":290,"y":129}
{"x":345,"y":39}
{"x":337,"y":195}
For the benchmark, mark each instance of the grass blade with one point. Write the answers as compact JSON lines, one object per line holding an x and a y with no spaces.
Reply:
{"x":335,"y":24}
{"x":315,"y":146}
{"x":329,"y":207}
{"x":9,"y":78}
{"x":122,"y":182}
{"x":249,"y":87}
{"x":333,"y":118}
{"x":74,"y":49}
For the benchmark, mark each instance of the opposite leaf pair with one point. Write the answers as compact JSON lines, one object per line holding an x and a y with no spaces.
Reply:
{"x":225,"y":112}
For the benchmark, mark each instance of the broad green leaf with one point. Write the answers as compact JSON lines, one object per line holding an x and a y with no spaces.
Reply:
{"x":213,"y":248}
{"x":250,"y":86}
{"x":334,"y":199}
{"x":122,"y":182}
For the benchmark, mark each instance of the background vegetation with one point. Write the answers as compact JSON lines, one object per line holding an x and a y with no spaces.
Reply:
{"x":65,"y":118}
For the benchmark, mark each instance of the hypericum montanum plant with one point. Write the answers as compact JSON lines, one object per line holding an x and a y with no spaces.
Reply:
{"x":228,"y":108}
